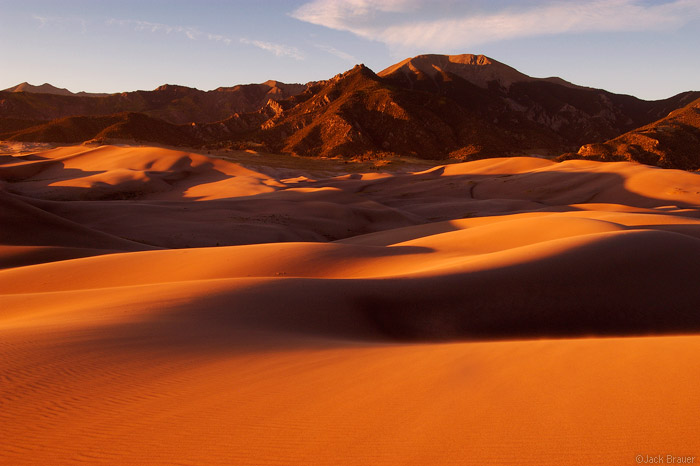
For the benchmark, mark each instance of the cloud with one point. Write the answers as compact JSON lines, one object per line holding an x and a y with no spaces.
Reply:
{"x":193,"y":33}
{"x":343,"y":14}
{"x":43,"y":20}
{"x":338,"y":53}
{"x":61,"y":21}
{"x":279,"y":50}
{"x":189,"y":32}
{"x":218,"y":38}
{"x":396,"y":23}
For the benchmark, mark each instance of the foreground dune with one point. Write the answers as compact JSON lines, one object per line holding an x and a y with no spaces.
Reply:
{"x":401,"y":316}
{"x":96,"y":398}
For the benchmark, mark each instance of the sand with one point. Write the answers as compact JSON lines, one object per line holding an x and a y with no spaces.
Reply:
{"x":163,"y":307}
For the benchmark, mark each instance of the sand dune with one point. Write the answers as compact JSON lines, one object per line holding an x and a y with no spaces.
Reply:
{"x":459,"y":314}
{"x":589,"y":401}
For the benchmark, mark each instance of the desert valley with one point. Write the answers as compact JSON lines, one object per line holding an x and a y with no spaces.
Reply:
{"x":445,"y":262}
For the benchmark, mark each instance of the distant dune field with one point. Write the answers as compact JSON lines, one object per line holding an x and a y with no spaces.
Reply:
{"x":166,"y":307}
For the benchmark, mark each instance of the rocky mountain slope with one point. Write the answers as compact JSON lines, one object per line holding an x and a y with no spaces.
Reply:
{"x":126,"y":126}
{"x":513,"y":100}
{"x":174,"y":104}
{"x":671,"y":142}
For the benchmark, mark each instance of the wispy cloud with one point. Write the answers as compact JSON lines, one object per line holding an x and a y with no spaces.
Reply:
{"x":61,"y":21}
{"x":43,"y":20}
{"x":279,"y":50}
{"x":396,"y":23}
{"x":191,"y":33}
{"x":338,"y":53}
{"x":348,"y":15}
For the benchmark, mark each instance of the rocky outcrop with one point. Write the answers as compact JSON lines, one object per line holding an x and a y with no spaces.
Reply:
{"x":671,"y":142}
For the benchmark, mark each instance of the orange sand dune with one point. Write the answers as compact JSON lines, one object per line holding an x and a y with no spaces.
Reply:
{"x":162,"y":307}
{"x":89,"y":398}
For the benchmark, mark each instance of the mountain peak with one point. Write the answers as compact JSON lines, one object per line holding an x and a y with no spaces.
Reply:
{"x":477,"y":69}
{"x":173,"y":88}
{"x":464,"y":59}
{"x":359,"y":69}
{"x":45,"y":88}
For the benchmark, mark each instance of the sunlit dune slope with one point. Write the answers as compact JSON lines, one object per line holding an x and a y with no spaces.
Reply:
{"x":81,"y":173}
{"x":100,"y":398}
{"x":162,"y":307}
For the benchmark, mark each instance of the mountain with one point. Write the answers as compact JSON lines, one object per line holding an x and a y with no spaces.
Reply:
{"x":174,"y":104}
{"x":436,"y":106}
{"x":512,"y":100}
{"x":460,"y":107}
{"x":127,"y":126}
{"x":47,"y":88}
{"x":358,"y":113}
{"x":477,"y":69}
{"x":671,"y":142}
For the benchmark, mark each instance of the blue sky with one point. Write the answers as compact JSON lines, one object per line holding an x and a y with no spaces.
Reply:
{"x":639,"y":47}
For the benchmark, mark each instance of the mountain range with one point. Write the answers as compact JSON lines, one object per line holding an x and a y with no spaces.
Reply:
{"x":438,"y":107}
